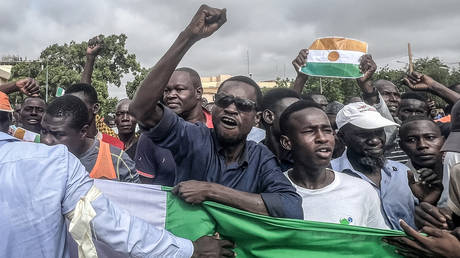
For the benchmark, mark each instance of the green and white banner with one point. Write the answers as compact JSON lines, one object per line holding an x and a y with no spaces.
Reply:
{"x":254,"y":235}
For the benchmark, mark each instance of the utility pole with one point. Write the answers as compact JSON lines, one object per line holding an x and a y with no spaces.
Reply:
{"x":249,"y":71}
{"x":320,"y":86}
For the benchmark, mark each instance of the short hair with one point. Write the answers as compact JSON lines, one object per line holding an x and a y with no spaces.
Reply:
{"x":414,"y":95}
{"x":309,"y":96}
{"x":69,"y":106}
{"x":247,"y":80}
{"x":299,"y":105}
{"x":196,"y":80}
{"x":27,"y":98}
{"x":416,"y":118}
{"x":334,"y":107}
{"x":87,"y":90}
{"x":122,"y":101}
{"x":273,"y":96}
{"x":379,"y":83}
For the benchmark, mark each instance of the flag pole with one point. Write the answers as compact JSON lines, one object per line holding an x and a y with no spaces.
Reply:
{"x":411,"y":64}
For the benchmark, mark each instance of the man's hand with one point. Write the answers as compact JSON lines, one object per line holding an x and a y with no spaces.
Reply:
{"x":432,"y":216}
{"x":29,"y":87}
{"x":299,"y":61}
{"x":207,"y":246}
{"x":429,"y":187}
{"x":206,"y":21}
{"x":419,"y":82}
{"x":367,"y":67}
{"x":94,"y":46}
{"x":437,"y":243}
{"x":192,"y":191}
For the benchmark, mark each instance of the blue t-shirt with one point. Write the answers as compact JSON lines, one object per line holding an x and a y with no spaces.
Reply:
{"x":198,"y":155}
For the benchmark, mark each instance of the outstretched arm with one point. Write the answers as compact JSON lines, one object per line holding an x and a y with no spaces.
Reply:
{"x":94,"y":47}
{"x":301,"y":78}
{"x":422,"y":82}
{"x":196,"y":192}
{"x":144,"y":107}
{"x":27,"y":86}
{"x":368,"y":68}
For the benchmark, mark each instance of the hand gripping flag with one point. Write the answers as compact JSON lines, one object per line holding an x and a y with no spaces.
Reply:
{"x":254,"y":235}
{"x":335,"y":57}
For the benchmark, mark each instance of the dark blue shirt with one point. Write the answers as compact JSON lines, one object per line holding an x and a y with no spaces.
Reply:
{"x":199,"y":156}
{"x":155,"y":165}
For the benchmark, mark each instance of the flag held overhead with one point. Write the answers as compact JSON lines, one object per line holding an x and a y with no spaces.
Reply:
{"x":335,"y":57}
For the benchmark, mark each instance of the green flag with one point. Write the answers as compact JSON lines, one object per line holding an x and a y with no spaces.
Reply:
{"x":254,"y":235}
{"x":59,"y":92}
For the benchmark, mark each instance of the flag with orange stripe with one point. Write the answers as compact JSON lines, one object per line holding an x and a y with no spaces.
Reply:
{"x":335,"y":57}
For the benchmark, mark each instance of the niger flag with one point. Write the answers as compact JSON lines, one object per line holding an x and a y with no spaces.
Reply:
{"x":254,"y":235}
{"x":335,"y":57}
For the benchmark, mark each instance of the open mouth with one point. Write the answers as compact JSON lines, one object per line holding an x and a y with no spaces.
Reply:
{"x":324,"y":152}
{"x":228,"y":122}
{"x":32,"y":121}
{"x":392,"y":107}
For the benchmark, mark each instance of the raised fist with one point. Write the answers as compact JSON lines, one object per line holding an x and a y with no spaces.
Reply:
{"x":367,"y":67}
{"x":29,"y":87}
{"x":94,"y":46}
{"x":206,"y":21}
{"x":300,"y":60}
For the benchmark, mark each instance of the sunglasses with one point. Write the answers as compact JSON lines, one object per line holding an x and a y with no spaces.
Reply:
{"x":244,"y":105}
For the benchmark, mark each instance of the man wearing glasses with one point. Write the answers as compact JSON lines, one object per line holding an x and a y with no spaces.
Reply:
{"x":215,"y":164}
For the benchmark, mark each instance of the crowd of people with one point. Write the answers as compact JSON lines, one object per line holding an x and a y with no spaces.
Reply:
{"x":382,"y":160}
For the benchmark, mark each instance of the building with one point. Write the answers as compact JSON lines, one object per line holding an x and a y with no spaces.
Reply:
{"x":210,"y":85}
{"x":5,"y":73}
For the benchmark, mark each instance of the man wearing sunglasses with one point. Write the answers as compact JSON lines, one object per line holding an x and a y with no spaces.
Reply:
{"x":215,"y":164}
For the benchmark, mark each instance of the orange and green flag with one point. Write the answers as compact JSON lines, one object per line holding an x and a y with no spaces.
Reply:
{"x":335,"y":57}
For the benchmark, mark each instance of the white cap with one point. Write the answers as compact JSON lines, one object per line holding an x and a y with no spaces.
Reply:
{"x":363,"y":116}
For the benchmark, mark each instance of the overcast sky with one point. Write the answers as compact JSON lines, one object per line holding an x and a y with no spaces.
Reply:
{"x":272,"y":32}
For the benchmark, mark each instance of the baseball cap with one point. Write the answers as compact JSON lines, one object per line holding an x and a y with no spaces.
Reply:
{"x":5,"y":103}
{"x":363,"y":116}
{"x":453,"y":141}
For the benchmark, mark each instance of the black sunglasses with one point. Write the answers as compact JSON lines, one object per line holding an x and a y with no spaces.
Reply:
{"x":245,"y":105}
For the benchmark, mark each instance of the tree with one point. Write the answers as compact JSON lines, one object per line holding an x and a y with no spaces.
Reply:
{"x":131,"y":86}
{"x":65,"y":64}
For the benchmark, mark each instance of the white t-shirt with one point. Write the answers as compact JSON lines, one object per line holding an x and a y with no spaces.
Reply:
{"x":347,"y":200}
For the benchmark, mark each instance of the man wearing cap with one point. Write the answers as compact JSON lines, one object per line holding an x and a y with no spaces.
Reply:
{"x":361,"y":128}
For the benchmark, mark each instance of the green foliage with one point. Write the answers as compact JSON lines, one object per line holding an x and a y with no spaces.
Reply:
{"x":132,"y":86}
{"x":284,"y":83}
{"x":66,"y":62}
